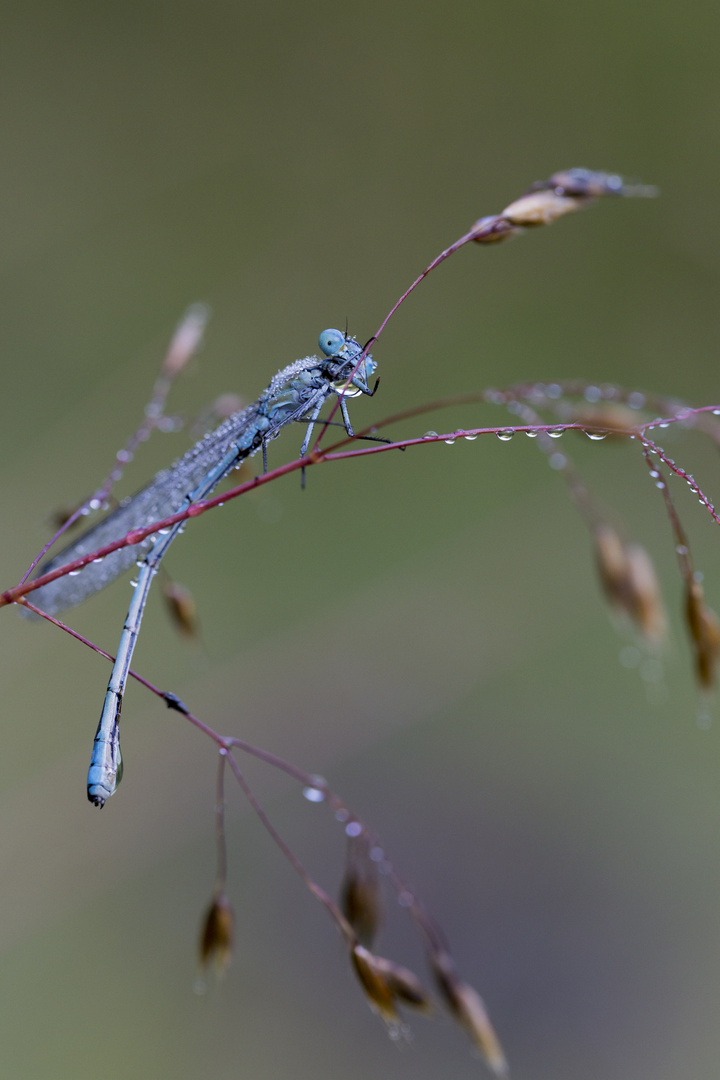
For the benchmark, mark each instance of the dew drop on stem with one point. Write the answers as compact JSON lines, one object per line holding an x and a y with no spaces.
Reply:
{"x":313,"y":794}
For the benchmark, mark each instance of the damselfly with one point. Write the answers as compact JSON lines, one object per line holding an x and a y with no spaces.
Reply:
{"x":296,"y":393}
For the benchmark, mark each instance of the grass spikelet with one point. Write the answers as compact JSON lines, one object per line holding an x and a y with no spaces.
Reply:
{"x":218,"y":934}
{"x":704,"y":630}
{"x":467,"y":1007}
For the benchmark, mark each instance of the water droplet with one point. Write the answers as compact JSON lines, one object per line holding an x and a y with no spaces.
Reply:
{"x":313,"y":794}
{"x":553,"y":390}
{"x":681,"y":549}
{"x":505,"y":435}
{"x":654,"y":473}
{"x":450,"y":442}
{"x":593,"y":394}
{"x":470,"y":438}
{"x":353,"y":828}
{"x":430,"y":435}
{"x":531,"y":434}
{"x":660,"y":484}
{"x":636,"y":400}
{"x":73,"y":573}
{"x":94,"y":504}
{"x":716,"y":412}
{"x":133,"y":584}
{"x":342,"y":815}
{"x":698,"y":576}
{"x":555,"y":433}
{"x":596,"y":436}
{"x":377,"y":854}
{"x":99,"y":560}
{"x":557,"y":461}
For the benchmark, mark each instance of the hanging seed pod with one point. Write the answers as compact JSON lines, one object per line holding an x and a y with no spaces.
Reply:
{"x":404,"y":985}
{"x":704,"y":630}
{"x":360,"y":894}
{"x":386,"y":985}
{"x":181,"y":607}
{"x":375,"y":984}
{"x":645,"y":599}
{"x":466,"y":1006}
{"x":630,"y":583}
{"x":217,"y":934}
{"x":186,"y":340}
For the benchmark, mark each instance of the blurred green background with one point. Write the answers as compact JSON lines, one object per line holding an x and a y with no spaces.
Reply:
{"x":424,"y":629}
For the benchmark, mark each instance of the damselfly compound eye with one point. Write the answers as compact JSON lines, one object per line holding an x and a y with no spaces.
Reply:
{"x":331,"y":341}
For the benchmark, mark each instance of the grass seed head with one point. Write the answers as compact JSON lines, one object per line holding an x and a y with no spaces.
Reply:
{"x":404,"y":985}
{"x":361,"y":896}
{"x":466,"y":1006}
{"x":540,"y":208}
{"x":630,"y":583}
{"x":704,"y":630}
{"x":181,"y":606}
{"x":375,"y":983}
{"x":218,"y":934}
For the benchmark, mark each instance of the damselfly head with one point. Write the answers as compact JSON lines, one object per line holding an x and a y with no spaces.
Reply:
{"x":337,"y":345}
